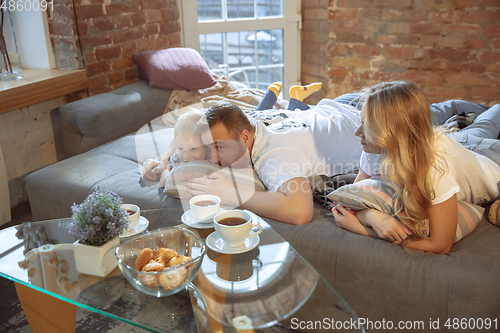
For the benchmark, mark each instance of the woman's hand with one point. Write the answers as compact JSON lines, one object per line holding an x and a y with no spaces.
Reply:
{"x":384,"y":225}
{"x":347,"y":220}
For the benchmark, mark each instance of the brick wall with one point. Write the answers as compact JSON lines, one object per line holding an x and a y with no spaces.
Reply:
{"x":110,"y":33}
{"x":64,"y":40}
{"x":450,"y":47}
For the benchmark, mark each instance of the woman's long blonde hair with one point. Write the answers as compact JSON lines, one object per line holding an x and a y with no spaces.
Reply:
{"x":398,"y":119}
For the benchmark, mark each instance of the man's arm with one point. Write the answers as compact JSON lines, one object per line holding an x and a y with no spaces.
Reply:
{"x":291,"y":203}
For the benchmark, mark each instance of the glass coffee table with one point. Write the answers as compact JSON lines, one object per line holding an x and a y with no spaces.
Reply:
{"x":269,"y":288}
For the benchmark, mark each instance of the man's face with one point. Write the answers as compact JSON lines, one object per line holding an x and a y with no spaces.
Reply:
{"x":225,"y":149}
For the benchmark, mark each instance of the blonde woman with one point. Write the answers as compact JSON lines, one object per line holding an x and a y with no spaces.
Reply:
{"x":429,"y":170}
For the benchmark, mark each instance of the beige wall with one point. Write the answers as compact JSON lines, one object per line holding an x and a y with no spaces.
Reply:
{"x":28,"y":144}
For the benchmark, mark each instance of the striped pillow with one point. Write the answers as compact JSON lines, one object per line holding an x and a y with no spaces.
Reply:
{"x":375,"y":193}
{"x":176,"y":182}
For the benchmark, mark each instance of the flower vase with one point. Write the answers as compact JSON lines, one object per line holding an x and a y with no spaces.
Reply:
{"x":10,"y":60}
{"x":96,"y":260}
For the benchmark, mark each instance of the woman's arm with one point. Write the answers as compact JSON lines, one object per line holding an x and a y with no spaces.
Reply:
{"x":361,"y":175}
{"x":349,"y":221}
{"x":443,"y":219}
{"x":384,"y":225}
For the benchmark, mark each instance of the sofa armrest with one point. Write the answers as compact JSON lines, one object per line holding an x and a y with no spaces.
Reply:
{"x":96,"y":120}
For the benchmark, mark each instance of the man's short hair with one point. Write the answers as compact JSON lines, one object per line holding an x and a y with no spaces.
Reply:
{"x":228,"y":114}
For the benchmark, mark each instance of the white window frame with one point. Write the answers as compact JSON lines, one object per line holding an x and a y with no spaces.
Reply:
{"x":291,"y":23}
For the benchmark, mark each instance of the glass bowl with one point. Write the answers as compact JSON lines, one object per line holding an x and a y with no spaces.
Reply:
{"x":170,"y":280}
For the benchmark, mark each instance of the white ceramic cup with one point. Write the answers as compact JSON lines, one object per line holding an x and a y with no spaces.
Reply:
{"x":235,"y":235}
{"x":204,"y":214}
{"x":133,"y":218}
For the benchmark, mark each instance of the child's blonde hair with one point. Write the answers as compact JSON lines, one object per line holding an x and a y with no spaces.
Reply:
{"x":398,"y":119}
{"x":186,"y":123}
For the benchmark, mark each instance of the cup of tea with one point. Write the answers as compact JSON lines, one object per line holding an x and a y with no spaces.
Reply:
{"x":234,"y":226}
{"x":134,"y":212}
{"x":204,"y":207}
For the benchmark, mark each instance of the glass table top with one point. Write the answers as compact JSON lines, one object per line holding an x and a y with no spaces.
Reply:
{"x":271,"y":287}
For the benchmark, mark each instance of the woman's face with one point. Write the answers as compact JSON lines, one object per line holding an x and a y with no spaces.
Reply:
{"x":368,"y":146}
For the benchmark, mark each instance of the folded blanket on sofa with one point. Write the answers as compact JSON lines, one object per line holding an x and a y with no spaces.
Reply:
{"x":224,"y":90}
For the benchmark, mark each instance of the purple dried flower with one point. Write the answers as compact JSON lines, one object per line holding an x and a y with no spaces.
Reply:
{"x":99,"y":218}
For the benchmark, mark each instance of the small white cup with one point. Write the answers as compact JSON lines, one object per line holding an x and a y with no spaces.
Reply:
{"x":235,"y":235}
{"x":133,"y":218}
{"x":204,"y":214}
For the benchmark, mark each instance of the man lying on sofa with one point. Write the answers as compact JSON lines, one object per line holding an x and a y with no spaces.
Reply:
{"x":285,"y":147}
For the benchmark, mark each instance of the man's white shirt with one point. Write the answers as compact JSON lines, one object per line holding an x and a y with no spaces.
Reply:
{"x":319,"y":141}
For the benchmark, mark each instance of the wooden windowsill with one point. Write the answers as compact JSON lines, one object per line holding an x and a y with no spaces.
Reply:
{"x":40,"y":85}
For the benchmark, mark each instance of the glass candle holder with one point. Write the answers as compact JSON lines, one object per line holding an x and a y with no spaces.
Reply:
{"x":10,"y":60}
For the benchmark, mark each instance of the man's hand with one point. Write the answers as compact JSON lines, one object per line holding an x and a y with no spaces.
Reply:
{"x":384,"y":225}
{"x":152,"y":170}
{"x":214,"y":184}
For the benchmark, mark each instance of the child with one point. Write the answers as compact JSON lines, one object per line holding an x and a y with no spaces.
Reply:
{"x":428,"y":170}
{"x":188,"y":148}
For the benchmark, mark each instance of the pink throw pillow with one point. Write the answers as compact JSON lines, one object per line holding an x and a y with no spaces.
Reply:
{"x":175,"y":68}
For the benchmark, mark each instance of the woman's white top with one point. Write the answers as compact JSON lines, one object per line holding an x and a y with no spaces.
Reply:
{"x":472,"y":177}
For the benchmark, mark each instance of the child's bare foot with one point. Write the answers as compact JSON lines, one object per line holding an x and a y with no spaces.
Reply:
{"x":302,"y":92}
{"x":276,"y":88}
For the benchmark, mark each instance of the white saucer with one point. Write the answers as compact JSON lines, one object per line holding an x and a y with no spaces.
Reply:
{"x":141,"y":225}
{"x":187,"y":219}
{"x":215,"y":243}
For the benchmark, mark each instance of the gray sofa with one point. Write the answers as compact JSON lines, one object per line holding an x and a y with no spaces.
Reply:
{"x":379,"y":280}
{"x":99,"y":135}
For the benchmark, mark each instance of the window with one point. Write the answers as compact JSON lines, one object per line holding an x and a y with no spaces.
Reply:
{"x":33,"y":39}
{"x":255,"y":42}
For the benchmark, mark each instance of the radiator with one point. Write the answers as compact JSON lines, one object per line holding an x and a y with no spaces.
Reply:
{"x":4,"y":192}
